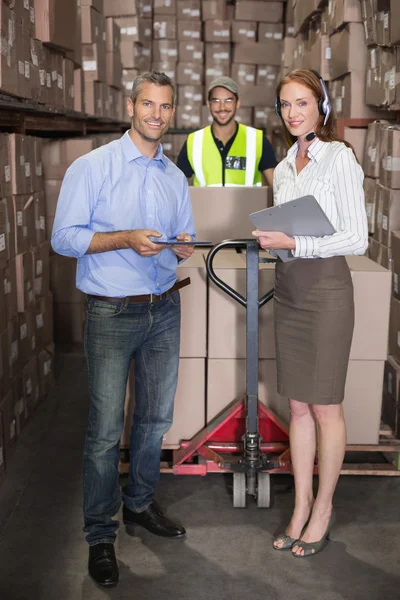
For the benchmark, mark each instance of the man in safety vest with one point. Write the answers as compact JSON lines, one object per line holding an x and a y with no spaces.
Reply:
{"x":227,"y":153}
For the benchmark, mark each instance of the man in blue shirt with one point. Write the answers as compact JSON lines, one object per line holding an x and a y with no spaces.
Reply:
{"x":112,"y":202}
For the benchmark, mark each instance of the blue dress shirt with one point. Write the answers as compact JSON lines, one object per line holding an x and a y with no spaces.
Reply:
{"x":115,"y":188}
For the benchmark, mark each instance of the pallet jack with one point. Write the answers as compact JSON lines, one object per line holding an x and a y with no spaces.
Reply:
{"x":246,"y":439}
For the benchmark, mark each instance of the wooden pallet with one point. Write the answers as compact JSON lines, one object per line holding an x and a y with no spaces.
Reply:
{"x":388,"y":448}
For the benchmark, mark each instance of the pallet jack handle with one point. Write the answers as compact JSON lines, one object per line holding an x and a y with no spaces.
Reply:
{"x":237,"y":245}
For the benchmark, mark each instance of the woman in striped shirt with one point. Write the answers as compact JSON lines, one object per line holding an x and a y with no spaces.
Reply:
{"x":314,"y":306}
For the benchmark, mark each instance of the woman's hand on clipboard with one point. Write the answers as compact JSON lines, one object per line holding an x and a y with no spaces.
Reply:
{"x":274,"y":240}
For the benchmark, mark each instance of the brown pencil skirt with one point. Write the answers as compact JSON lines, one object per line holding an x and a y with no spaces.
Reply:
{"x":314,"y":321}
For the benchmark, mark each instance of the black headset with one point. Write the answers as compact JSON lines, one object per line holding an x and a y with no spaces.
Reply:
{"x":324,"y":103}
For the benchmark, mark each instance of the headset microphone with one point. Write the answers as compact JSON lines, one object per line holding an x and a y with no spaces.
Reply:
{"x":310,"y":136}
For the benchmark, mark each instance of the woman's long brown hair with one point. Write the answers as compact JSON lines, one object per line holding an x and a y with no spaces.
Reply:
{"x":326,"y":133}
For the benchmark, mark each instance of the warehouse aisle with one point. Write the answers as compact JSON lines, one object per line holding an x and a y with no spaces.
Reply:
{"x":227,"y":554}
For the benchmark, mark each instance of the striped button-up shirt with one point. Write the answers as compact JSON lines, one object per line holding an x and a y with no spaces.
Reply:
{"x":335,"y":179}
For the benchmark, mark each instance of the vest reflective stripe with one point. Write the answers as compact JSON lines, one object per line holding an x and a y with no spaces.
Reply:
{"x":206,"y":161}
{"x":198,"y":137}
{"x":251,"y":151}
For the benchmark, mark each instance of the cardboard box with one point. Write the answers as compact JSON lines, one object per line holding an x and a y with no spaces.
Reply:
{"x":394,"y":22}
{"x":189,"y":74}
{"x":164,"y":7}
{"x":3,"y":315}
{"x":270,"y":31}
{"x":390,"y":400}
{"x":40,"y":219}
{"x":13,"y":347}
{"x":370,"y":191}
{"x":261,"y":117}
{"x":259,"y":10}
{"x":52,"y":191}
{"x":217,"y":31}
{"x":114,"y":69}
{"x":44,"y":321}
{"x":395,"y":245}
{"x":76,"y":54}
{"x":94,"y":62}
{"x":244,"y":31}
{"x":37,"y":166}
{"x":10,"y":289}
{"x":129,"y":29}
{"x":227,"y":319}
{"x":45,"y":372}
{"x":25,"y":282}
{"x":117,"y":8}
{"x":68,"y":84}
{"x":191,"y":51}
{"x":250,"y":52}
{"x":394,"y":330}
{"x":41,"y":270}
{"x":164,"y":28}
{"x":372,"y":289}
{"x":55,"y":23}
{"x":79,"y":100}
{"x":372,"y":148}
{"x":341,"y":12}
{"x":21,"y":223}
{"x":189,"y":31}
{"x":20,"y":151}
{"x":8,"y":56}
{"x":223,"y":213}
{"x":194,"y":307}
{"x":31,"y":387}
{"x":69,"y":322}
{"x":189,"y":94}
{"x":214,"y":9}
{"x":26,"y":336}
{"x":383,"y":86}
{"x":218,"y":55}
{"x":188,"y":9}
{"x":58,"y":155}
{"x":268,"y":76}
{"x":188,"y":116}
{"x":93,"y":29}
{"x":258,"y":95}
{"x":165,"y":50}
{"x":362,"y":403}
{"x":4,"y":251}
{"x":244,"y":74}
{"x":63,"y":280}
{"x":349,"y":53}
{"x":357,"y":137}
{"x":389,"y":173}
{"x":97,"y":4}
{"x":94,"y":98}
{"x":390,"y":213}
{"x":348,"y":98}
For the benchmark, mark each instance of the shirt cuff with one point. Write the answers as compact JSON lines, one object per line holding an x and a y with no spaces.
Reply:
{"x":306,"y":246}
{"x":81,"y":241}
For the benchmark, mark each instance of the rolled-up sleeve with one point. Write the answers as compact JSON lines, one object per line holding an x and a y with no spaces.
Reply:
{"x":71,"y":234}
{"x":351,"y":236}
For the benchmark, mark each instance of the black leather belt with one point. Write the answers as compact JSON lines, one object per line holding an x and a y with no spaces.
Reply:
{"x":144,"y":297}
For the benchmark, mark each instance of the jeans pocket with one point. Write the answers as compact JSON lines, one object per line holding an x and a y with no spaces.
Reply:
{"x":102,"y":309}
{"x":175,"y":298}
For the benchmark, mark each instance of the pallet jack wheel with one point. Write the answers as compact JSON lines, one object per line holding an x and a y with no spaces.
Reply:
{"x":239,"y":490}
{"x":264,"y":491}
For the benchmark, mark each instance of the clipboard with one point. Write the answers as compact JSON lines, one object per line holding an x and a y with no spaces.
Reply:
{"x":302,"y":216}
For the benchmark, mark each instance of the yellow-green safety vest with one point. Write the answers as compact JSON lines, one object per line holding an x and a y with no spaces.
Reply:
{"x":241,"y":167}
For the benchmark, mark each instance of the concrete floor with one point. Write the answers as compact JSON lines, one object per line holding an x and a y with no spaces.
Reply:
{"x":227,"y":553}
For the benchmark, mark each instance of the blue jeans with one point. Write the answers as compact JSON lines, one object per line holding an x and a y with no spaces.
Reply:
{"x":115,"y":334}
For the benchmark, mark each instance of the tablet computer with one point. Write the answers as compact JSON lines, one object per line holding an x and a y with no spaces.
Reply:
{"x":175,"y":242}
{"x":303,"y":216}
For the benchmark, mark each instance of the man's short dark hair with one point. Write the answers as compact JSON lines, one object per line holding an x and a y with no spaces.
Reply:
{"x":155,"y":77}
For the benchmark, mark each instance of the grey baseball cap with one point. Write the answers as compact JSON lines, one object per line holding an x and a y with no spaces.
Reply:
{"x":225,"y":82}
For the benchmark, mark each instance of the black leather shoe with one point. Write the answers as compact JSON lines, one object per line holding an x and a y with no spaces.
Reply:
{"x":103,"y":566}
{"x":154,"y":520}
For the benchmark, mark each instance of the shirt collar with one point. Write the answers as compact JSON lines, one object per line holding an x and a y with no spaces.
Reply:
{"x":316,"y":150}
{"x":132,"y":152}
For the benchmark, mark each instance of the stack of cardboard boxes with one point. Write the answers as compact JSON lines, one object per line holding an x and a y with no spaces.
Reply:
{"x":61,"y":54}
{"x":26,"y":318}
{"x":212,"y":367}
{"x":68,"y":302}
{"x":101,"y":60}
